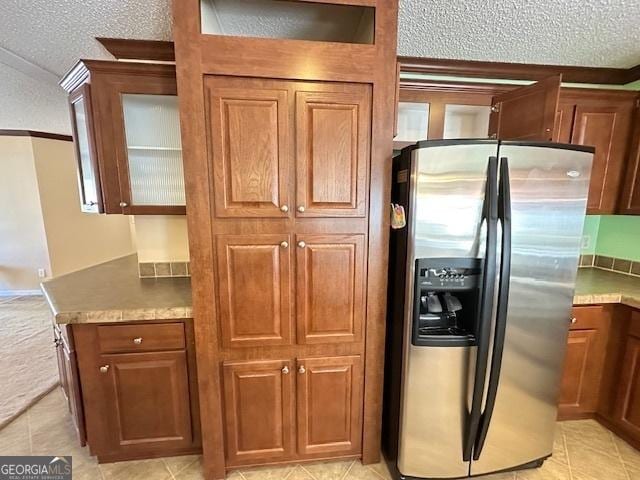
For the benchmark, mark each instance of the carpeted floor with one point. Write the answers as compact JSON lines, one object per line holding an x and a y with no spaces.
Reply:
{"x":28,"y":366}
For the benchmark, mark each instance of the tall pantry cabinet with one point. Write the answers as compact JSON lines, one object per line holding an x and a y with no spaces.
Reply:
{"x":286,"y":147}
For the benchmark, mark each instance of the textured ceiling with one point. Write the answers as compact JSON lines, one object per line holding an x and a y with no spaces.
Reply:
{"x":54,"y":34}
{"x":599,"y":33}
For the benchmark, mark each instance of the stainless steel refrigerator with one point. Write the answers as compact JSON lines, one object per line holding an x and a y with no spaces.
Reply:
{"x":481,"y":283}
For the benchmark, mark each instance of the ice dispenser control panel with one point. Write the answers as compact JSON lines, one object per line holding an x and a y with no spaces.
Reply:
{"x":456,"y":274}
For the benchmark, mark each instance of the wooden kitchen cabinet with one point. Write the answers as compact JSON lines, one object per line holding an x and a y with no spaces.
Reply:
{"x":255,"y":289}
{"x":127,"y":135}
{"x":270,"y":403}
{"x":253,"y":124}
{"x":138,"y":387}
{"x":629,"y":202}
{"x":330,"y":311}
{"x":628,"y":405}
{"x":329,"y":405}
{"x":259,"y":417}
{"x":69,"y":378}
{"x":584,"y":362}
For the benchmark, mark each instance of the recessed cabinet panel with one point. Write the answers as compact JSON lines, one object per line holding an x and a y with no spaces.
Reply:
{"x":154,"y":151}
{"x":329,"y":405}
{"x":466,"y":121}
{"x":413,"y":121}
{"x":330,"y":288}
{"x":576,"y":384}
{"x":255,"y":284}
{"x":258,"y":400}
{"x":249,"y":132}
{"x":629,"y":399}
{"x":332,"y":148}
{"x":600,"y":127}
{"x":149,"y":401}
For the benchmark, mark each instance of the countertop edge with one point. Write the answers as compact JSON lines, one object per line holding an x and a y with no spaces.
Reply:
{"x":126,"y":315}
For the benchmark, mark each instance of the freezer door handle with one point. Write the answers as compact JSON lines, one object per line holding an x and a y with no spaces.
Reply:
{"x":490,"y":216}
{"x":504,"y":215}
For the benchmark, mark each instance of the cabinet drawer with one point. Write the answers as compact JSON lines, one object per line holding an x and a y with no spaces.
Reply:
{"x":141,"y":338}
{"x":587,"y":318}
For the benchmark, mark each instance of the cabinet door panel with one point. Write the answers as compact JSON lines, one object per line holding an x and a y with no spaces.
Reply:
{"x":148,"y":404}
{"x":629,"y":398}
{"x":332,"y":148}
{"x":527,"y":113}
{"x":576,"y":384}
{"x":255,"y":285}
{"x":248,"y":124}
{"x":258,"y":410}
{"x":330,"y":288}
{"x":330,"y":405}
{"x":606,"y":129}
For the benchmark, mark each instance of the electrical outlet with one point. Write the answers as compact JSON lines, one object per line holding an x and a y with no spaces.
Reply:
{"x":586,"y":241}
{"x":42,"y":273}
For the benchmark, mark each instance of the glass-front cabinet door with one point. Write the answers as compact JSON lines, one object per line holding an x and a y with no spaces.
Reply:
{"x":154,"y":178}
{"x":82,"y":127}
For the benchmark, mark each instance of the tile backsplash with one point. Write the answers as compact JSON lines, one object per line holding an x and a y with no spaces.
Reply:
{"x":163,"y":269}
{"x":618,"y":265}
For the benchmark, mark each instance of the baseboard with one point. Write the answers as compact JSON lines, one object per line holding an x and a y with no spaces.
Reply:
{"x":564,"y":416}
{"x":19,"y":293}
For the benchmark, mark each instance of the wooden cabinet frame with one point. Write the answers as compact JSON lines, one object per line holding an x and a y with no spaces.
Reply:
{"x":106,"y":81}
{"x":198,"y":55}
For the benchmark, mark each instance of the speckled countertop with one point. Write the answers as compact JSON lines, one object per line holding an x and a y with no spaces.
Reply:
{"x":113,"y":292}
{"x":601,"y":286}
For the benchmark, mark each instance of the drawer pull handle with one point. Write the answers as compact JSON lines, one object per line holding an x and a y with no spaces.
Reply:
{"x":285,"y":369}
{"x":137,"y":340}
{"x":301,"y":369}
{"x":104,"y":368}
{"x":573,"y":320}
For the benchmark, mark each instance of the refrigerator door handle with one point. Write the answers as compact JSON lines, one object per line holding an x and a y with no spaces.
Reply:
{"x":490,"y":215}
{"x":504,"y":215}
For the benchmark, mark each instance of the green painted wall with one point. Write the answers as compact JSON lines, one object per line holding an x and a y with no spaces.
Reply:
{"x":615,"y":236}
{"x":590,"y":234}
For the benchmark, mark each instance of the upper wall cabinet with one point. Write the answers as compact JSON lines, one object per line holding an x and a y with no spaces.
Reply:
{"x":127,"y":133}
{"x":608,"y":120}
{"x":274,"y":142}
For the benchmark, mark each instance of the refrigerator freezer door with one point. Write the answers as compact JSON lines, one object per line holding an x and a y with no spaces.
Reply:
{"x":548,"y":201}
{"x":445,"y":209}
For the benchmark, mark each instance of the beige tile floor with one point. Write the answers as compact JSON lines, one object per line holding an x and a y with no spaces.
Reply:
{"x":583,"y":450}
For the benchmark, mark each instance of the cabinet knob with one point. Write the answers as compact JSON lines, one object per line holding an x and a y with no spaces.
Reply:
{"x":284,"y":244}
{"x":137,"y":340}
{"x":574,"y":320}
{"x":285,"y":369}
{"x":301,"y":369}
{"x":284,"y":208}
{"x":104,"y":368}
{"x":301,"y":208}
{"x":124,"y":204}
{"x":301,"y":244}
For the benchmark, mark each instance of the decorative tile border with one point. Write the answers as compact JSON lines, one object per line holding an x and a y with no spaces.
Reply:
{"x":163,"y":269}
{"x":618,"y":265}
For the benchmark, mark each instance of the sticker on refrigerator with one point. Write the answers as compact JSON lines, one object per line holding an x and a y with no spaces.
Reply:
{"x":398,"y":219}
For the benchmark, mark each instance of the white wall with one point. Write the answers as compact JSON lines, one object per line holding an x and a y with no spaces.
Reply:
{"x":162,"y":238}
{"x":23,"y":244}
{"x":75,"y":240}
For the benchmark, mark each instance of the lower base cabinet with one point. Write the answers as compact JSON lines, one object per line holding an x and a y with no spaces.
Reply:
{"x":281,"y":410}
{"x":628,"y":400}
{"x":139,"y":389}
{"x":584,"y":360}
